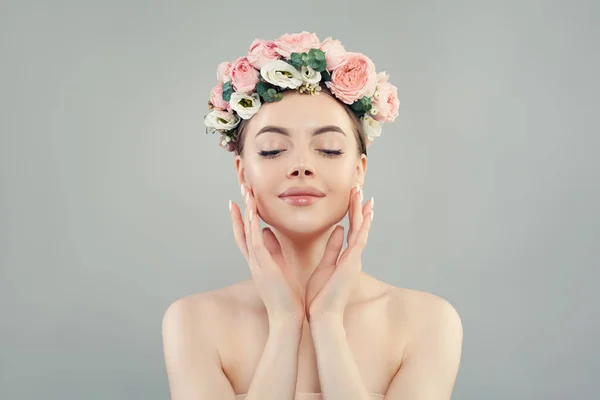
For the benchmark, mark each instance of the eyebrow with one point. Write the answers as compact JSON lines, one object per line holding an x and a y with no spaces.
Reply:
{"x":286,"y":132}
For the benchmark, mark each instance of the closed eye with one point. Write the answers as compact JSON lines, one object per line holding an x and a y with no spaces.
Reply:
{"x":275,"y":153}
{"x":270,"y":153}
{"x":331,"y":153}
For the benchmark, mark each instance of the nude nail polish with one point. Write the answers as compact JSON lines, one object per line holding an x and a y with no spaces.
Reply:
{"x":242,"y":189}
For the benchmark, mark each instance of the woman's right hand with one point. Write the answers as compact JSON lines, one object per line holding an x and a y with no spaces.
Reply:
{"x":276,"y":284}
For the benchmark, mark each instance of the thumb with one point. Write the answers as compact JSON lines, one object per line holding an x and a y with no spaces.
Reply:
{"x":334,"y":246}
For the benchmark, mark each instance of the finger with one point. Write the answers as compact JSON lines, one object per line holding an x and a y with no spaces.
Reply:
{"x":274,"y":248}
{"x":238,"y":229}
{"x":273,"y":245}
{"x":350,"y":202}
{"x":357,"y":218}
{"x":363,"y":234}
{"x":353,"y":192}
{"x":333,"y":247}
{"x":247,"y":230}
{"x":258,"y":245}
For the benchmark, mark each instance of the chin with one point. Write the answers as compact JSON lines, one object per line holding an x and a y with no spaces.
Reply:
{"x":303,"y":224}
{"x":307,"y":220}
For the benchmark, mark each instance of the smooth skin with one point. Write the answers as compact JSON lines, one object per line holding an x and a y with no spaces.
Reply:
{"x":309,"y":320}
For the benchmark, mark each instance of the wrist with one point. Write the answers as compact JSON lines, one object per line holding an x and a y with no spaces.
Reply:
{"x":326,"y":321}
{"x":286,"y":325}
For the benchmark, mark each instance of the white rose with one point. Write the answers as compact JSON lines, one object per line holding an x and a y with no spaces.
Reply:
{"x":281,"y":74}
{"x":371,"y":127}
{"x":221,"y":120}
{"x":245,"y":105}
{"x":309,"y":75}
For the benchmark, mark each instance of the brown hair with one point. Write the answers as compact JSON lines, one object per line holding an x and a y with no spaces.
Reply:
{"x":358,"y":131}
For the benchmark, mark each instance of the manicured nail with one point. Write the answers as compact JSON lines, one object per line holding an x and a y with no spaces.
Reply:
{"x":372,"y":213}
{"x":247,"y":197}
{"x":229,"y":205}
{"x":372,"y":202}
{"x":250,"y":215}
{"x":242,"y":189}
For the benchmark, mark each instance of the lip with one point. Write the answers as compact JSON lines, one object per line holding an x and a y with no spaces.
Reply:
{"x":301,"y":195}
{"x":302,"y":191}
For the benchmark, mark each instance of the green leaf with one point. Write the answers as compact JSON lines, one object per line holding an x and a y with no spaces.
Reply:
{"x":227,"y":91}
{"x":296,"y":60}
{"x":271,"y":95}
{"x":317,"y":54}
{"x":317,"y":65}
{"x":315,"y":58}
{"x":361,"y":106}
{"x":325,"y":76}
{"x":261,"y":88}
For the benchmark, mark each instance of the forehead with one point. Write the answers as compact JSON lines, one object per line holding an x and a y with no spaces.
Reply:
{"x":302,"y":112}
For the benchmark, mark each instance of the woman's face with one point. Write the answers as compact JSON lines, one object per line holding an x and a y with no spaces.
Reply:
{"x":301,"y":142}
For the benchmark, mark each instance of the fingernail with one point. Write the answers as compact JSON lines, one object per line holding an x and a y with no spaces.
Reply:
{"x":247,"y":196}
{"x":242,"y":189}
{"x":229,"y":205}
{"x":250,"y":215}
{"x":372,"y":213}
{"x":372,"y":202}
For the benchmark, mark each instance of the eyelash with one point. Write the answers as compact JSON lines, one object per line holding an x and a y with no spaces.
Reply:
{"x":275,"y":153}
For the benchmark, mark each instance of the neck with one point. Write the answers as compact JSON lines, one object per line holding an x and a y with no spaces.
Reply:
{"x":303,"y":252}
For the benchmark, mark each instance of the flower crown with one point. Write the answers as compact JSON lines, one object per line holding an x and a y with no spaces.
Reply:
{"x":302,"y":62}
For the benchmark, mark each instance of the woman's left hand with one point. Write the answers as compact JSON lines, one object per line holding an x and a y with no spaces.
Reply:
{"x":330,"y":285}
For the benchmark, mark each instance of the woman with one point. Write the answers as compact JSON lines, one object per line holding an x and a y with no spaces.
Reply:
{"x":299,"y":113}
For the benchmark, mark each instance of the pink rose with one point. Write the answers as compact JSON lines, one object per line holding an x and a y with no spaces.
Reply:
{"x":244,"y":76}
{"x":296,"y":43}
{"x":216,"y":98}
{"x":353,"y":79}
{"x":335,"y":53}
{"x":223,"y":71}
{"x":387,"y":104}
{"x":261,"y":52}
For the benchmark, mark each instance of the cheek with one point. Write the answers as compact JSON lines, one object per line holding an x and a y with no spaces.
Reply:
{"x":340,"y":182}
{"x":266,"y":182}
{"x":340,"y":175}
{"x":260,"y":175}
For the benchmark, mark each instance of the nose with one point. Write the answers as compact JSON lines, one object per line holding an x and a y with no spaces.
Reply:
{"x":301,"y":170}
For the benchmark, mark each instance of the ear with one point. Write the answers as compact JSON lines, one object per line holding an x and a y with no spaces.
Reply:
{"x":240,"y":170}
{"x":361,"y":170}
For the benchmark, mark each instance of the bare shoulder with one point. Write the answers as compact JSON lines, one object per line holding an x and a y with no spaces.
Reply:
{"x":191,"y":329}
{"x":205,"y":309}
{"x":185,"y":316}
{"x":421,"y":305}
{"x":428,"y":317}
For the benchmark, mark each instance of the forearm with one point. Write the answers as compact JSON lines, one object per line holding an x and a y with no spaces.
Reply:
{"x":277,"y":371}
{"x":338,"y":373}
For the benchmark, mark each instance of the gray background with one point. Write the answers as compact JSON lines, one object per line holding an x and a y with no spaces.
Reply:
{"x":114,"y":201}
